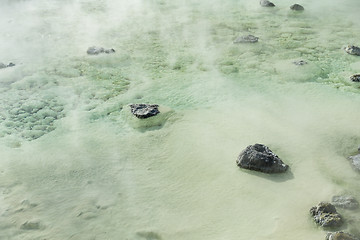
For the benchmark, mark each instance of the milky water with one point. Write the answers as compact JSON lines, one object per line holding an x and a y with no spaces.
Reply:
{"x":76,"y":165}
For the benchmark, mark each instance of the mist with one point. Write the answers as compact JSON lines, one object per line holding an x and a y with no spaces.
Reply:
{"x":75,"y":164}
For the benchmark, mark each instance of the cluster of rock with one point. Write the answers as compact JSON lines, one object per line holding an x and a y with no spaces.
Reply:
{"x":260,"y":158}
{"x":295,"y":7}
{"x":97,"y":50}
{"x":2,"y":65}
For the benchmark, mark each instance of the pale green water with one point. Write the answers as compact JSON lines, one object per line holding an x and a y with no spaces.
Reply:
{"x":70,"y":150}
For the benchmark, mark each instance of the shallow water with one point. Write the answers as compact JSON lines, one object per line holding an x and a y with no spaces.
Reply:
{"x":74,"y":162}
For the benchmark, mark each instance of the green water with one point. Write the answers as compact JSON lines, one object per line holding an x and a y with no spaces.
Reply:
{"x":75,"y":163}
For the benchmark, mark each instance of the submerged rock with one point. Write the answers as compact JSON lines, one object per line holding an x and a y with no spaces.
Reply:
{"x":297,"y":7}
{"x":355,"y":161}
{"x":355,"y":78}
{"x":347,"y":202}
{"x":31,"y":225}
{"x":300,"y":62}
{"x":246,"y":39}
{"x":325,"y":215}
{"x":260,"y":158}
{"x":11,"y":65}
{"x":97,"y":50}
{"x":353,"y":50}
{"x":2,"y":65}
{"x":144,"y":110}
{"x":340,"y":236}
{"x":266,"y":3}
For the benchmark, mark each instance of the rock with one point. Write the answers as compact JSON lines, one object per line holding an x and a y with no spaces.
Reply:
{"x":353,"y":50}
{"x":300,"y":62}
{"x":246,"y":39}
{"x":144,"y":110}
{"x":30,"y":225}
{"x":347,"y":202}
{"x":297,"y":7}
{"x":2,"y":65}
{"x":355,"y":78}
{"x":266,"y":3}
{"x":340,"y":236}
{"x":260,"y":158}
{"x":97,"y":50}
{"x":11,"y":65}
{"x":355,"y":161}
{"x":325,"y":215}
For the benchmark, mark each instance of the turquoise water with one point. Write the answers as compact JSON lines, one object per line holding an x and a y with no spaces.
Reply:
{"x":76,"y":165}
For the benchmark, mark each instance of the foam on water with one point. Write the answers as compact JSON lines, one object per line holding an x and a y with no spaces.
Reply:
{"x":75,"y":165}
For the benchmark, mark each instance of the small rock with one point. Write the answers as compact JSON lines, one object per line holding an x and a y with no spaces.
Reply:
{"x":97,"y":50}
{"x":355,"y":78}
{"x":2,"y":65}
{"x":353,"y":50}
{"x":347,"y":202}
{"x":325,"y":215}
{"x":11,"y":64}
{"x":355,"y":161}
{"x":144,"y":110}
{"x":30,"y":225}
{"x":297,"y":7}
{"x":340,"y":236}
{"x":246,"y":39}
{"x":300,"y":63}
{"x":266,"y":3}
{"x":260,"y":158}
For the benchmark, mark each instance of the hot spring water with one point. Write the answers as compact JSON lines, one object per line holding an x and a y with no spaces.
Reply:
{"x":74,"y":165}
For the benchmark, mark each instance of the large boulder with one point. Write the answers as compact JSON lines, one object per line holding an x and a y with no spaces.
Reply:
{"x":144,"y":110}
{"x":260,"y":158}
{"x":353,"y":50}
{"x":297,"y":7}
{"x":97,"y":50}
{"x":266,"y":3}
{"x":246,"y":39}
{"x":325,"y":215}
{"x":340,"y":236}
{"x":347,"y":202}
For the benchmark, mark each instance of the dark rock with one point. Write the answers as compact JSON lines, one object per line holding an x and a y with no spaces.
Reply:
{"x":355,"y":78}
{"x":97,"y":50}
{"x":325,"y":215}
{"x":353,"y":50}
{"x":144,"y":110}
{"x":297,"y":7}
{"x":340,"y":236}
{"x":266,"y":3}
{"x":2,"y":65}
{"x":260,"y":158}
{"x":347,"y":202}
{"x":11,"y":65}
{"x":355,"y":161}
{"x":246,"y":39}
{"x":300,"y":62}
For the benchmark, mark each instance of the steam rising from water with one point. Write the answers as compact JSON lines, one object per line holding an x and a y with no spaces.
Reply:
{"x":74,"y":166}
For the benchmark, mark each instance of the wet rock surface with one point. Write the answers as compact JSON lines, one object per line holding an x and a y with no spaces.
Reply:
{"x":355,"y":78}
{"x":297,"y":7}
{"x":347,"y":202}
{"x":259,"y":157}
{"x":325,"y":215}
{"x":355,"y":161}
{"x":353,"y":50}
{"x":266,"y":3}
{"x":97,"y":50}
{"x":300,"y":62}
{"x":340,"y":236}
{"x":246,"y":39}
{"x":144,"y":110}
